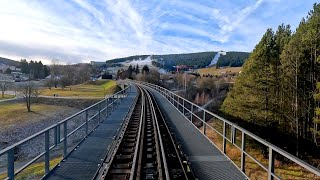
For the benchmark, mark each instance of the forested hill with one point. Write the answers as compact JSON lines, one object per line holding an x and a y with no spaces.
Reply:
{"x":9,"y":62}
{"x":129,"y":58}
{"x":197,"y":60}
{"x":200,"y":59}
{"x":233,"y":59}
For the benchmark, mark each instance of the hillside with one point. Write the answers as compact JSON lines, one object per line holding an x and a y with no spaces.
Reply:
{"x":196,"y":60}
{"x":129,"y":58}
{"x":9,"y":62}
{"x":218,"y":71}
{"x":200,"y":59}
{"x":232,"y":59}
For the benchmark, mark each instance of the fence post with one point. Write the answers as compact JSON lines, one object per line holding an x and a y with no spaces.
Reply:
{"x":65,"y":145}
{"x":204,"y":122}
{"x":183,"y":106}
{"x":58,"y":135}
{"x":87,"y":125}
{"x":234,"y":135}
{"x":107,"y":107}
{"x":243,"y":148}
{"x":55,"y":134}
{"x":271,"y":164}
{"x":11,"y":164}
{"x":224,"y":137}
{"x":47,"y":153}
{"x":99,"y":113}
{"x":191,"y":113}
{"x":106,"y":102}
{"x":113,"y":101}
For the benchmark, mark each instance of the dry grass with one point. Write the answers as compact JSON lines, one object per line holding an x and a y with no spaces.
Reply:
{"x":6,"y":96}
{"x":98,"y":88}
{"x":34,"y":171}
{"x":284,"y":169}
{"x":214,"y":71}
{"x":12,"y":114}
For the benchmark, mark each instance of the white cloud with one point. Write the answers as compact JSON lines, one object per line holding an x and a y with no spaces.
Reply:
{"x":80,"y":30}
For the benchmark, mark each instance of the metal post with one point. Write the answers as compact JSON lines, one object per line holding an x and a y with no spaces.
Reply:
{"x":99,"y":119}
{"x":191,"y":113}
{"x":65,"y":145}
{"x":271,"y":164}
{"x":58,"y":135}
{"x":224,"y":137}
{"x":233,"y":134}
{"x":107,"y":101}
{"x":108,"y":106}
{"x":204,"y":120}
{"x":243,"y":148}
{"x":55,"y":134}
{"x":11,"y":164}
{"x":183,"y":106}
{"x":87,"y":125}
{"x":113,"y":101}
{"x":47,"y":151}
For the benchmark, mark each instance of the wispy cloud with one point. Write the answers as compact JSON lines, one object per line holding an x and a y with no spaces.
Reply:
{"x":79,"y":30}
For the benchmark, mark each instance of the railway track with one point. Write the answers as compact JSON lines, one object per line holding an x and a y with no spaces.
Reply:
{"x":147,"y":149}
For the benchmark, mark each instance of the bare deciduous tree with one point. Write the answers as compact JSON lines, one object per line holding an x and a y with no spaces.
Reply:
{"x":4,"y":86}
{"x":28,"y":91}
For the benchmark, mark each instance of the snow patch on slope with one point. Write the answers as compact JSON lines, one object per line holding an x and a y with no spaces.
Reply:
{"x":140,"y":62}
{"x":216,"y":58}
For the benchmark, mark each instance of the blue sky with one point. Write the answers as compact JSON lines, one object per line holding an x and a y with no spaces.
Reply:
{"x":73,"y":31}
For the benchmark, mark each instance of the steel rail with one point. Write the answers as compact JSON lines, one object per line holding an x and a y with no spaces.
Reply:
{"x":11,"y":172}
{"x":171,"y":97}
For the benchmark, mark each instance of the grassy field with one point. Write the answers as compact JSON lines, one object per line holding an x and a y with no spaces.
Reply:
{"x":16,"y":113}
{"x":34,"y":171}
{"x":6,"y":96}
{"x":98,"y":88}
{"x":214,"y":71}
{"x":286,"y":170}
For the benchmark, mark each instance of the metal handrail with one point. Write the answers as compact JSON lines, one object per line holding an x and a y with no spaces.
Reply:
{"x":11,"y":173}
{"x":233,"y":127}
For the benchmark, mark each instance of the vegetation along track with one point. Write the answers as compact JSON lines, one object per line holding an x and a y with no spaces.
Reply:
{"x":147,"y":149}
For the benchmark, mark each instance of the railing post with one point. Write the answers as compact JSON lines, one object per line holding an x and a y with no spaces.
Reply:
{"x":224,"y":137}
{"x":11,"y":164}
{"x":65,"y":145}
{"x":233,"y":134}
{"x":191,"y":113}
{"x":99,"y":119}
{"x":204,"y":120}
{"x":55,"y":134}
{"x":113,"y":101}
{"x":107,"y":107}
{"x":178,"y":103}
{"x":58,"y":133}
{"x":243,"y":156}
{"x":87,"y":125}
{"x":183,"y":106}
{"x":47,"y":153}
{"x":271,"y":164}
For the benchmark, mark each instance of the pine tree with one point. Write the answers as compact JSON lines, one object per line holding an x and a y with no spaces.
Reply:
{"x":316,"y":119}
{"x":250,"y":98}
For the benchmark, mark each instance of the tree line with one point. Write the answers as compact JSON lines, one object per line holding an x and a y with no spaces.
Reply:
{"x":279,"y":86}
{"x":35,"y":69}
{"x":232,"y":59}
